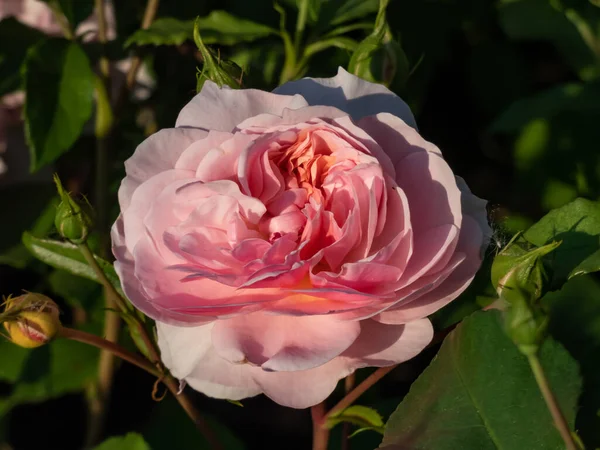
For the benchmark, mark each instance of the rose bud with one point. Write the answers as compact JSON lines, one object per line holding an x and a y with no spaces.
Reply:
{"x":31,"y":320}
{"x":73,"y":218}
{"x":520,"y":279}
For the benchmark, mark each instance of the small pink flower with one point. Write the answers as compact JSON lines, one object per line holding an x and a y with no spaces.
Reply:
{"x":283,"y":240}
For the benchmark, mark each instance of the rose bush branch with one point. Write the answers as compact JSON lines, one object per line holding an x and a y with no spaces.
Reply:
{"x":148,"y":348}
{"x":557,"y":415}
{"x":108,"y":346}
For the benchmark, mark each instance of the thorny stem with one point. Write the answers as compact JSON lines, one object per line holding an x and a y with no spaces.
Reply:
{"x":551,"y":402}
{"x":320,"y":433}
{"x":103,"y":344}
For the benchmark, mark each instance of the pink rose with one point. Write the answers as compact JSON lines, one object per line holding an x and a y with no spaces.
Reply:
{"x":283,"y":240}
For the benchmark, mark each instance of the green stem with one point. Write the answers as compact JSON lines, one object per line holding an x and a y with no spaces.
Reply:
{"x":111,"y":292}
{"x":551,"y":402}
{"x":153,"y":353}
{"x":103,"y":344}
{"x":62,"y":21}
{"x":300,"y":24}
{"x":99,"y":394}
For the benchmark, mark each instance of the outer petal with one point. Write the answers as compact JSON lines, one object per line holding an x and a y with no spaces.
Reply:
{"x":475,"y":207}
{"x":469,"y":243}
{"x":283,"y":343}
{"x":125,"y":268}
{"x":222,"y":109}
{"x":189,"y":355}
{"x":305,"y":388}
{"x":156,"y":154}
{"x":383,"y":345}
{"x":351,"y":94}
{"x":378,"y":345}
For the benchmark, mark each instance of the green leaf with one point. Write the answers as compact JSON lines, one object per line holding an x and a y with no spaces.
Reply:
{"x":219,"y":27}
{"x":183,"y":435}
{"x":575,"y":321}
{"x":66,"y":256}
{"x":60,"y":87}
{"x":163,"y":31}
{"x":313,"y":7}
{"x":577,"y":225}
{"x":15,"y":40}
{"x":362,"y":416}
{"x":131,"y":441}
{"x":77,"y":291}
{"x":61,"y":367}
{"x":588,"y":265}
{"x":339,"y":42}
{"x":347,"y":10}
{"x":479,"y":393}
{"x":222,"y":28}
{"x":37,"y":215}
{"x":13,"y":358}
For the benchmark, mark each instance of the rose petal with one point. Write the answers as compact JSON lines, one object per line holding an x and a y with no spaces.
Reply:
{"x":383,"y":345}
{"x":351,"y":94}
{"x":222,"y":109}
{"x":200,"y":366}
{"x":156,"y":154}
{"x":283,"y":343}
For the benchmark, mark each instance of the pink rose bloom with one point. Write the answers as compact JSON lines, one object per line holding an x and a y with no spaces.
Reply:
{"x":283,"y":240}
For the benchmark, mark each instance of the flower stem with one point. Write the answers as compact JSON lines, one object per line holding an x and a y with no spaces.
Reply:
{"x":359,"y":390}
{"x":115,"y":297}
{"x":103,"y":344}
{"x":193,"y":413}
{"x":349,"y":382}
{"x":320,"y":433}
{"x":551,"y":402}
{"x":152,"y":353}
